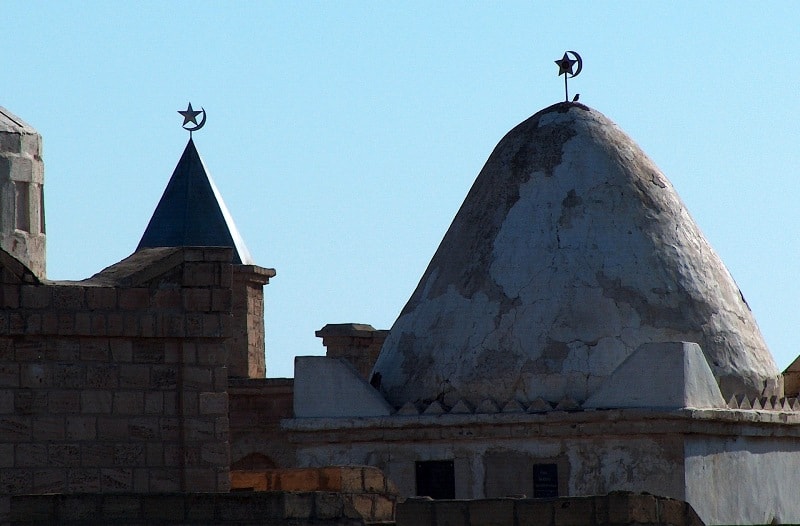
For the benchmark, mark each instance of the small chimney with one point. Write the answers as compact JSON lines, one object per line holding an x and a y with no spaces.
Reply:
{"x":360,"y":344}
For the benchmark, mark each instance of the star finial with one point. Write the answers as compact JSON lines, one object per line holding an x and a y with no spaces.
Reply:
{"x":191,"y":116}
{"x":564,"y":67}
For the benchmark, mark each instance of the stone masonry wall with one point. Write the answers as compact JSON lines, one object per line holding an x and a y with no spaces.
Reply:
{"x":117,"y":383}
{"x":614,"y":509}
{"x":257,"y":407}
{"x":246,"y":357}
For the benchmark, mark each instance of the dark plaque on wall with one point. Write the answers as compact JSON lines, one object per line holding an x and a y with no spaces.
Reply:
{"x":545,"y":481}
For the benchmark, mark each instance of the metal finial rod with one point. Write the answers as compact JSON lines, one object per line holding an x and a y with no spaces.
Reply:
{"x":565,"y":68}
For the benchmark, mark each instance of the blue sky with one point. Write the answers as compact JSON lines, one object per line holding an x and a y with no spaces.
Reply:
{"x":344,"y":135}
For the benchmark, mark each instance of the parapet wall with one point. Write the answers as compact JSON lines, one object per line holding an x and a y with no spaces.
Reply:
{"x":117,"y":383}
{"x":614,"y":509}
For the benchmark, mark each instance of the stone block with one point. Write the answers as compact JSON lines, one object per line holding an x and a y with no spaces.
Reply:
{"x":249,"y":480}
{"x":99,"y":402}
{"x":116,"y":479}
{"x":121,"y":507}
{"x":9,"y":375}
{"x":328,"y":505}
{"x":360,"y":505}
{"x":162,"y":508}
{"x":145,"y":351}
{"x":163,"y":376}
{"x":451,"y":513}
{"x":30,"y":455}
{"x":144,"y":428}
{"x":624,"y":508}
{"x":330,"y":479}
{"x":112,"y":428}
{"x":671,"y":512}
{"x":48,"y":428}
{"x":6,"y":455}
{"x":83,"y":323}
{"x":78,"y":508}
{"x":197,"y":378}
{"x":128,"y":403}
{"x":97,"y":454}
{"x":36,"y":297}
{"x":26,"y":509}
{"x":298,"y":505}
{"x":574,"y":512}
{"x":374,"y":480}
{"x":297,"y":480}
{"x":215,"y":454}
{"x":133,"y":299}
{"x":213,"y":403}
{"x":198,"y":429}
{"x":64,"y":401}
{"x":103,"y":376}
{"x":35,"y":375}
{"x":383,"y":508}
{"x":134,"y":376}
{"x":50,"y":480}
{"x":211,"y":354}
{"x":67,"y":297}
{"x":495,"y":512}
{"x":115,"y":324}
{"x":95,"y":349}
{"x":170,"y":326}
{"x":169,"y":428}
{"x":197,"y":300}
{"x":132,"y":455}
{"x":121,"y":350}
{"x":200,"y":508}
{"x":68,"y":375}
{"x":352,"y":479}
{"x":83,"y":480}
{"x":7,"y":401}
{"x":154,"y":454}
{"x":416,"y":511}
{"x":64,"y":455}
{"x":154,"y":403}
{"x":101,"y":298}
{"x":29,"y":402}
{"x":166,"y":299}
{"x":164,"y":480}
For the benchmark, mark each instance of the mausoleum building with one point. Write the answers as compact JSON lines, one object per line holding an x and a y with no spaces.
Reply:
{"x":574,"y":334}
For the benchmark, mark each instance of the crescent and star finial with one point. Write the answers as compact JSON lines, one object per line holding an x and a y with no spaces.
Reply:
{"x":190,"y":116}
{"x":565,"y":65}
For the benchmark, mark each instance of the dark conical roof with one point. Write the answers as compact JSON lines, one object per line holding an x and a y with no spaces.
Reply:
{"x":192,"y":213}
{"x":571,"y":250}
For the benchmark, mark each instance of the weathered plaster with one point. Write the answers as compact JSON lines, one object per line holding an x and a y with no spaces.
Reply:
{"x":743,"y":480}
{"x":569,"y":252}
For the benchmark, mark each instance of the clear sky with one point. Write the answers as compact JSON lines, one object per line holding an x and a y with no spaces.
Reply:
{"x":343,"y":136}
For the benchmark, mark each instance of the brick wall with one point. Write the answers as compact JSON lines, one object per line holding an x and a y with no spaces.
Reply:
{"x":116,"y":383}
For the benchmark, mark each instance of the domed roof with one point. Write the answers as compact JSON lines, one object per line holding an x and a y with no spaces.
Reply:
{"x":570,"y":251}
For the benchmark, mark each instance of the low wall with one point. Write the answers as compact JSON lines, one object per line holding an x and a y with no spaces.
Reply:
{"x":614,"y":509}
{"x":263,"y":509}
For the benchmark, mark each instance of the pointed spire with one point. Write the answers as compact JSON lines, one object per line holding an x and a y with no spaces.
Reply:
{"x":191,"y":212}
